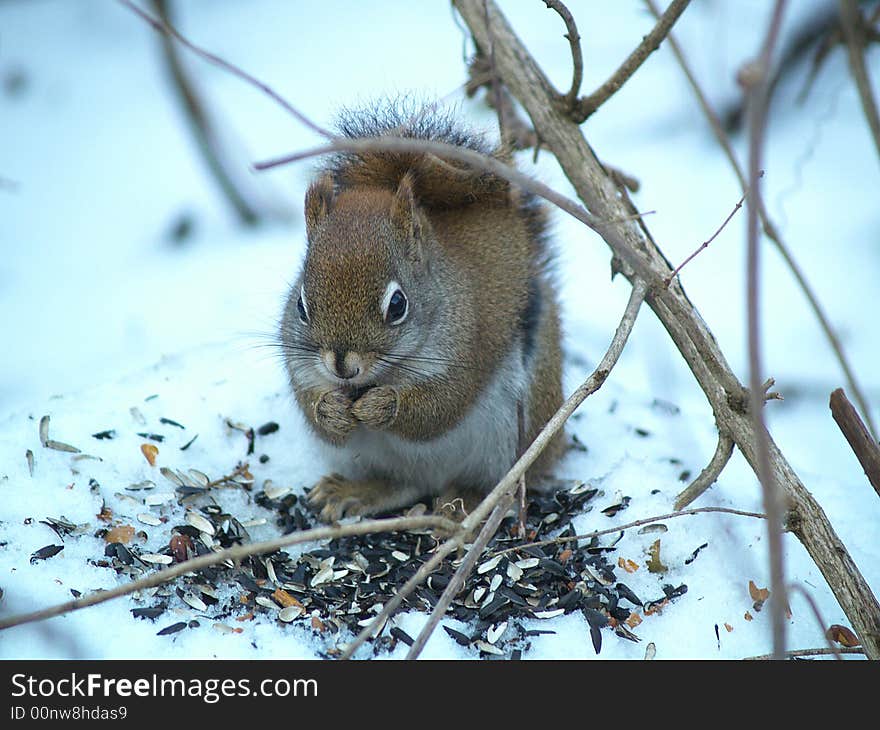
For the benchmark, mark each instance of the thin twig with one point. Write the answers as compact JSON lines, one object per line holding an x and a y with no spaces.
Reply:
{"x":864,"y":447}
{"x":817,"y":614}
{"x":854,"y":31}
{"x":770,"y":229}
{"x":705,"y":244}
{"x":793,"y":653}
{"x":202,"y":125}
{"x":235,"y":554}
{"x":587,"y":105}
{"x":452,"y":152}
{"x":464,"y":570}
{"x":755,"y":78}
{"x":574,"y":40}
{"x":162,"y":27}
{"x":709,"y":475}
{"x":629,"y":526}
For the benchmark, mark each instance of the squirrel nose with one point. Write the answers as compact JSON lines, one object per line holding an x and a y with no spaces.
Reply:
{"x":344,"y":365}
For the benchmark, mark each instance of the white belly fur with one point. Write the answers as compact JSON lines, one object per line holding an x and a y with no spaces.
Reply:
{"x":475,"y":453}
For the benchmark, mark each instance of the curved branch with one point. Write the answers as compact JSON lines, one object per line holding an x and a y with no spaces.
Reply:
{"x":650,"y":43}
{"x":574,"y":40}
{"x":709,"y":475}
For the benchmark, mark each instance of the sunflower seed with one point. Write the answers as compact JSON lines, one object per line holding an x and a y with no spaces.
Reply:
{"x":156,"y":558}
{"x":199,"y":478}
{"x":494,"y":632}
{"x":223,"y":628}
{"x":527,"y":563}
{"x":149,"y":519}
{"x":488,"y":565}
{"x":322,"y":576}
{"x":650,"y":651}
{"x":397,"y":555}
{"x":44,"y":431}
{"x":256,"y":522}
{"x":496,"y":581}
{"x":199,"y":522}
{"x":171,"y":476}
{"x":173,"y":629}
{"x":29,"y":455}
{"x":656,"y":527}
{"x":137,"y":415}
{"x":61,"y":446}
{"x":138,"y":486}
{"x":266,"y":602}
{"x":195,"y":602}
{"x":273,"y":491}
{"x":488,"y":648}
{"x":514,"y":572}
{"x":289,"y":613}
{"x":152,"y":500}
{"x":478,"y":594}
{"x":549,"y":614}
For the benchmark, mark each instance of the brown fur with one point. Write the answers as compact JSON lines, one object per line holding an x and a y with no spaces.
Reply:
{"x":469,"y":252}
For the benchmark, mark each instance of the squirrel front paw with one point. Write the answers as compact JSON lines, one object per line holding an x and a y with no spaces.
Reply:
{"x":377,"y":408}
{"x":333,"y":413}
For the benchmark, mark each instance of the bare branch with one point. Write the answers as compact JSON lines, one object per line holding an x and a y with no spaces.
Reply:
{"x":166,"y":29}
{"x":864,"y":447}
{"x":589,"y":104}
{"x":709,"y":475}
{"x":795,"y":653}
{"x":629,"y":526}
{"x":770,"y":229}
{"x":755,"y":79}
{"x":705,"y":244}
{"x":854,"y":32}
{"x":817,"y":614}
{"x":574,"y":40}
{"x":235,"y":554}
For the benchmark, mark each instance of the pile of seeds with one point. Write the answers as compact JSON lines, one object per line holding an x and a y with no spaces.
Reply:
{"x":338,"y":589}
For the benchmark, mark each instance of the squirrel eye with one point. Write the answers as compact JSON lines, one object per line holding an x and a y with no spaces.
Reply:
{"x":395,"y":306}
{"x":301,"y":306}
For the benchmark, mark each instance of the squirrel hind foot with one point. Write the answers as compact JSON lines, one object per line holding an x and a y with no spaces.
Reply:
{"x":335,"y":497}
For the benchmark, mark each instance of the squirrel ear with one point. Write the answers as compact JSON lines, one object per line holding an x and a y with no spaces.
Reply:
{"x":405,"y":214}
{"x":318,"y":200}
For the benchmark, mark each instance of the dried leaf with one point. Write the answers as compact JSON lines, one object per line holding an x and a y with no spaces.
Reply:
{"x":120,"y":533}
{"x":317,"y":624}
{"x":150,"y":453}
{"x":106,"y":514}
{"x":633,"y":620}
{"x":630,"y":566}
{"x":747,"y":616}
{"x":655,"y":565}
{"x":842,"y":635}
{"x":728,"y":627}
{"x":285,"y":599}
{"x":759,"y":595}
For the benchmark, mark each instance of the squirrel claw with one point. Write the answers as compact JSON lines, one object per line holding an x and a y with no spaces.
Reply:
{"x":335,"y":497}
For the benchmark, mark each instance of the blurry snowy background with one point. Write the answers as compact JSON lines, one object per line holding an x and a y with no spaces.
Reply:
{"x":123,"y":274}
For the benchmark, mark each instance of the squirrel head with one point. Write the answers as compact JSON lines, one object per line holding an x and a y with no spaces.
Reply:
{"x":360,"y":311}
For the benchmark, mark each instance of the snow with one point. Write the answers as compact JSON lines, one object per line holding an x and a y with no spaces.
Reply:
{"x":102,"y":311}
